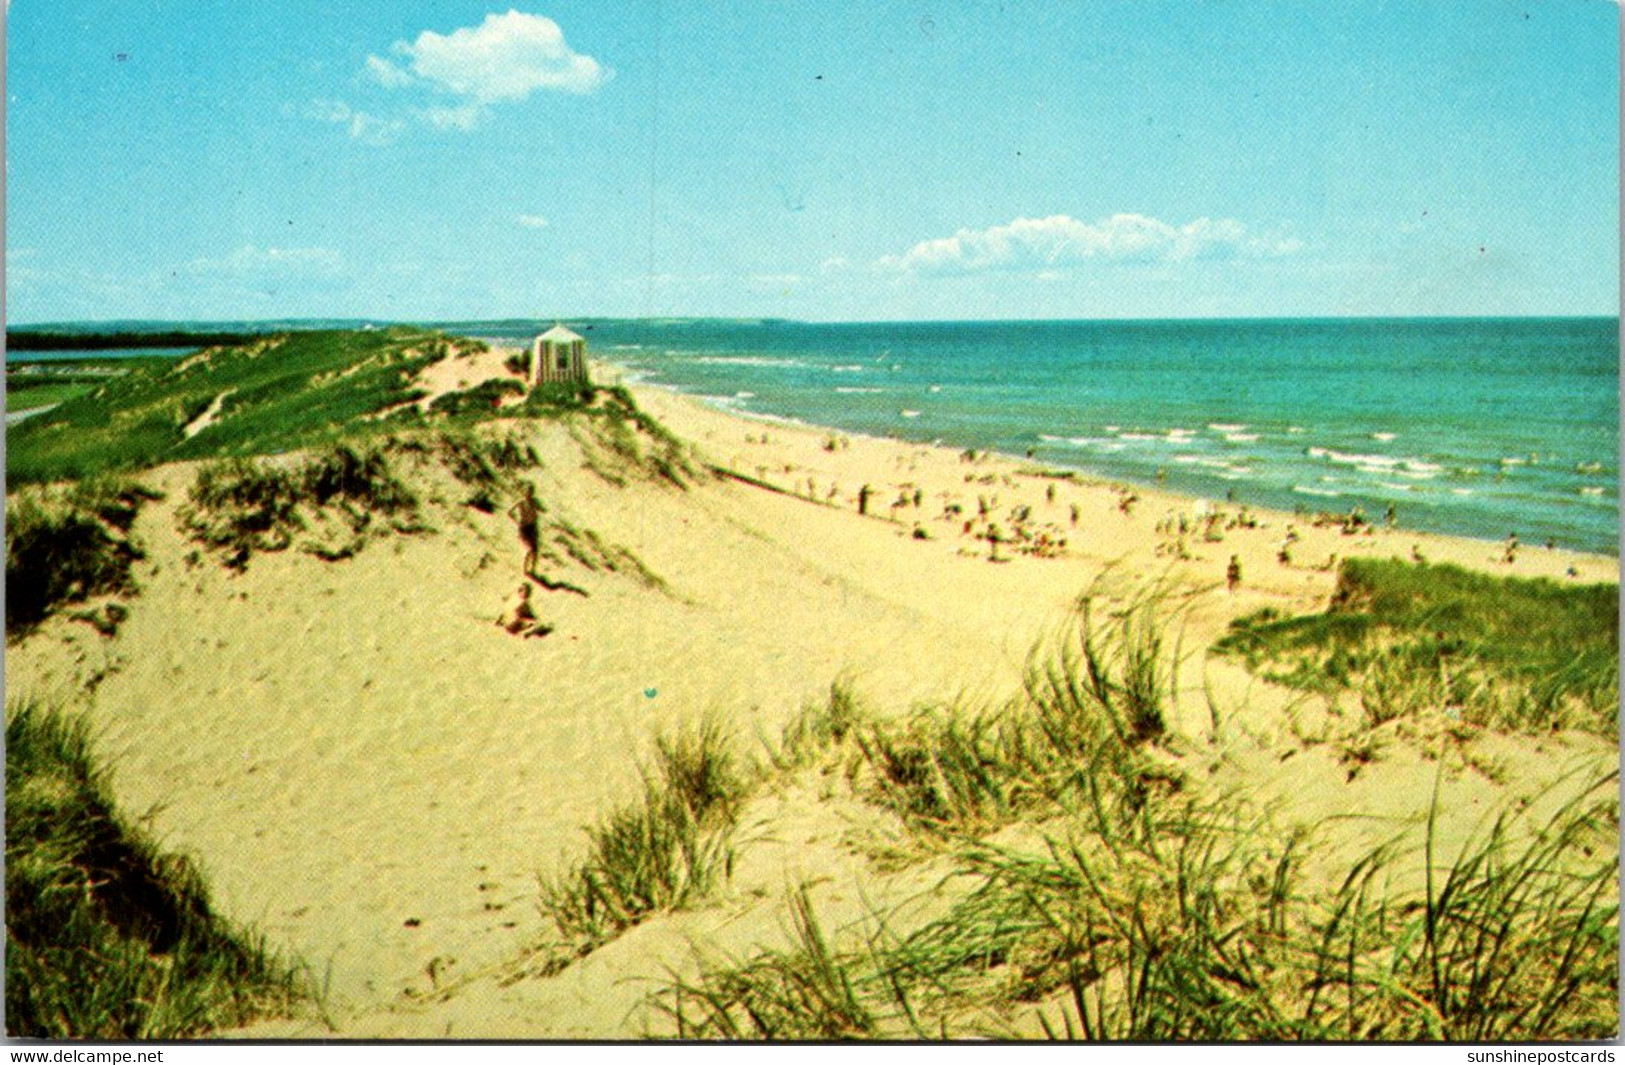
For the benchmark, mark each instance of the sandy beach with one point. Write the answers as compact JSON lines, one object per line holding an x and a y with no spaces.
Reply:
{"x":372,"y":773}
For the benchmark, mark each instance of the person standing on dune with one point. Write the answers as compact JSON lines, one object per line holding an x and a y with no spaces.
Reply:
{"x":527,"y":512}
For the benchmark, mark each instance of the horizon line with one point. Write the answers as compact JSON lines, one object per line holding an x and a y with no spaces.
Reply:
{"x":11,"y":327}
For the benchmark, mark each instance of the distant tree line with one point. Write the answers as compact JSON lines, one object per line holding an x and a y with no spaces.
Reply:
{"x":34,"y":340}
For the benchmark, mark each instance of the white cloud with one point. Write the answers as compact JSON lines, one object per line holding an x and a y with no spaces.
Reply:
{"x":251,"y":261}
{"x":1049,"y":245}
{"x":464,"y":117}
{"x":506,"y":57}
{"x":532,"y":221}
{"x":364,"y":127}
{"x":386,"y":73}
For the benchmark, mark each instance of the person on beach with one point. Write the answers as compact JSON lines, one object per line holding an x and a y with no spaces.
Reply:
{"x":1232,"y":574}
{"x":1511,"y":555}
{"x":863,"y":500}
{"x":527,"y":513}
{"x":518,"y":617}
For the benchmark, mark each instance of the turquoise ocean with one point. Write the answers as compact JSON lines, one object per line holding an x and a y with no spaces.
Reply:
{"x":1476,"y":427}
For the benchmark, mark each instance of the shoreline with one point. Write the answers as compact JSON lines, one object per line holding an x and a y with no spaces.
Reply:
{"x":1440,"y":515}
{"x":1468,"y":551}
{"x":414,"y":883}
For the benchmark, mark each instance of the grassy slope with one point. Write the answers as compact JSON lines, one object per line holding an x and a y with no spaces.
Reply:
{"x":1124,"y":902}
{"x":280,"y":393}
{"x":106,"y":936}
{"x":1507,"y":652}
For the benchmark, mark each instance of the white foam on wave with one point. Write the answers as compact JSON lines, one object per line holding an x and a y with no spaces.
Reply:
{"x":1176,"y":437}
{"x":1228,"y":470}
{"x":1324,"y":492}
{"x":744,"y":395}
{"x":1241,"y":438}
{"x":1381,"y":462}
{"x":1461,"y":491}
{"x":1078,"y":441}
{"x":746,"y":360}
{"x":1384,"y":437}
{"x":1397,"y":487}
{"x":850,"y":368}
{"x":909,"y":413}
{"x":1224,"y":427}
{"x":1379,"y":465}
{"x":850,"y":391}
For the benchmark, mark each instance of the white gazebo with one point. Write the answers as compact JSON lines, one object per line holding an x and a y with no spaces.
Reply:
{"x":558,"y":355}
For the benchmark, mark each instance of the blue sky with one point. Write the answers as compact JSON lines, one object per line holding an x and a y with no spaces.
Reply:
{"x":832,"y":160}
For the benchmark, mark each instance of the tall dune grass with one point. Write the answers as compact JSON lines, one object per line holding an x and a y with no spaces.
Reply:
{"x":106,"y":936}
{"x":1150,"y":912}
{"x":65,"y":546}
{"x":240,"y":507}
{"x":669,"y":849}
{"x":1496,"y":652}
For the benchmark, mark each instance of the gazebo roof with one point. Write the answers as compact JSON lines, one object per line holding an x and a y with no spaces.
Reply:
{"x":557,"y":333}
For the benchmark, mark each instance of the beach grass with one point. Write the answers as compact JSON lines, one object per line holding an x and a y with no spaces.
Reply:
{"x":1086,"y":729}
{"x":311,"y":391}
{"x":1208,"y":929}
{"x":23,"y":393}
{"x":668,"y":849}
{"x":239,"y":507}
{"x":275,"y":393}
{"x":66,"y":546}
{"x":107,"y":937}
{"x":1129,"y":906}
{"x":1497,"y":652}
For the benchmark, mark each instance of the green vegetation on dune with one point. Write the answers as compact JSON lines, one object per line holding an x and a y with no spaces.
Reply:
{"x":306,"y":391}
{"x":30,"y":395}
{"x":668,"y":850}
{"x":66,"y":546}
{"x":238,"y":507}
{"x":1147,"y":910}
{"x":1101,"y":891}
{"x":1499,"y":652}
{"x":273,"y":394}
{"x":107,"y":937}
{"x":1206,"y":929}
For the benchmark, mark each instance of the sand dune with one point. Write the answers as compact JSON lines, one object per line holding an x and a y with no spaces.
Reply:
{"x":372,"y":773}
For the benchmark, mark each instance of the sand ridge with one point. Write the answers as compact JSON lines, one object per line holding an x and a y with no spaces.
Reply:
{"x":372,"y":773}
